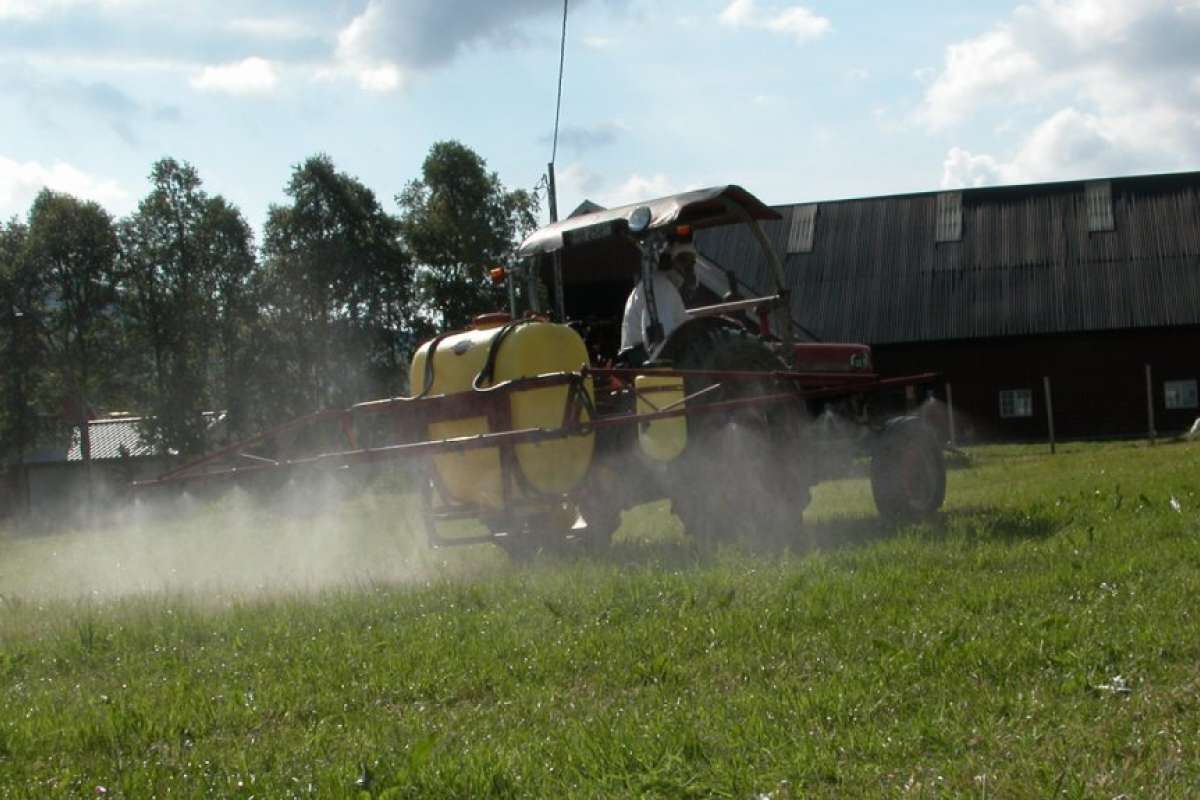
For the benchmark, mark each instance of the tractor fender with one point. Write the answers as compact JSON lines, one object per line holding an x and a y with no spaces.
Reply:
{"x":682,"y":337}
{"x":895,"y":423}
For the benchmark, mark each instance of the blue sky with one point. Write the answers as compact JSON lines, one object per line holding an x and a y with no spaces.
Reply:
{"x":795,"y":101}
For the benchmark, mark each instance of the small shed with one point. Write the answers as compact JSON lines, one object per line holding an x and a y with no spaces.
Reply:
{"x":57,"y":482}
{"x":54,"y":484}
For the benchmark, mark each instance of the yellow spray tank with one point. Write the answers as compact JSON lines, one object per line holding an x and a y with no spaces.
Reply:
{"x":662,"y":439}
{"x":553,"y":467}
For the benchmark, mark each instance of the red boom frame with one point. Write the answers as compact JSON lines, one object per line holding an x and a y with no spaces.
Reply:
{"x":415,"y":414}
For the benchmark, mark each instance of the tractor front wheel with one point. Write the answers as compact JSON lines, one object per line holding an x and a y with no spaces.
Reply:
{"x":738,"y":477}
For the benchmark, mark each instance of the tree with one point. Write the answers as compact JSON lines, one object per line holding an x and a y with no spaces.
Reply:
{"x":227,"y":248}
{"x":19,"y":346}
{"x":71,"y":254}
{"x":339,"y":290}
{"x":458,"y":220}
{"x":188,"y":261}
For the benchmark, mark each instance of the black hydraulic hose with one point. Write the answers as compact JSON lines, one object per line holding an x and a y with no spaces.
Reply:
{"x":488,"y":370}
{"x":429,"y":369}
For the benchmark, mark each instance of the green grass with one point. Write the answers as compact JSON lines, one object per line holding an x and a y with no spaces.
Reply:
{"x":1040,"y":639}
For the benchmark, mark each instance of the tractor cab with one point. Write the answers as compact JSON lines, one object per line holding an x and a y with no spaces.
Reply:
{"x":592,"y":262}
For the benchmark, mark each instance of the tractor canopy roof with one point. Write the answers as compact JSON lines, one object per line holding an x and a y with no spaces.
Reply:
{"x":702,"y":208}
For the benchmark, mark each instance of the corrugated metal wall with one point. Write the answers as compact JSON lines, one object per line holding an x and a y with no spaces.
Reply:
{"x":1026,"y":263}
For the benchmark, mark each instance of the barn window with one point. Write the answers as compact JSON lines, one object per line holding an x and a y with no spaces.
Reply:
{"x":949,"y":217}
{"x":1016,"y":403}
{"x":800,"y":234}
{"x":1181,"y":394}
{"x":1099,"y":206}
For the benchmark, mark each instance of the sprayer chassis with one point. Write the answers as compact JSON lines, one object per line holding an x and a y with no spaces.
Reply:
{"x":408,"y":418}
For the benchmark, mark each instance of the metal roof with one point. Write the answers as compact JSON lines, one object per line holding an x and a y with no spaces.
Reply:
{"x":117,"y":437}
{"x":112,"y":438}
{"x":1026,"y":263}
{"x":702,"y":208}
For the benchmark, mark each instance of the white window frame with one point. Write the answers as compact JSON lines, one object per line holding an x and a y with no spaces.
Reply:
{"x":1181,"y":394}
{"x":1016,"y":403}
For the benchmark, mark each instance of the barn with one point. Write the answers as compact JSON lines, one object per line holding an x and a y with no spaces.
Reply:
{"x":1087,"y":289}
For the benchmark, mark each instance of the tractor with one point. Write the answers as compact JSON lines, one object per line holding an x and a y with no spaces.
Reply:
{"x":532,"y":422}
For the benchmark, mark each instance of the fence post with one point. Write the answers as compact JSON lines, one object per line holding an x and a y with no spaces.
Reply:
{"x":1150,"y":403}
{"x":1049,"y":409}
{"x":950,"y":413}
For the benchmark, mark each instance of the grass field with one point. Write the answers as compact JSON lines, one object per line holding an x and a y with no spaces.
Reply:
{"x":1039,"y":639}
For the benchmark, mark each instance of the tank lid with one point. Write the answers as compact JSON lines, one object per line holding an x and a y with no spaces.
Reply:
{"x":493,"y":320}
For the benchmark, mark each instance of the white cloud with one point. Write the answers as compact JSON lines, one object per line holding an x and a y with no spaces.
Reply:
{"x":1099,"y":87}
{"x":577,"y":183}
{"x":988,"y":63}
{"x":394,"y":39}
{"x":280,"y":28}
{"x":924,"y":74}
{"x":380,"y":78}
{"x":252,"y":75}
{"x":797,"y":22}
{"x":599,"y":42}
{"x":963,"y":169}
{"x":1071,"y":144}
{"x":355,"y":52}
{"x":36,"y":9}
{"x":638,"y":187}
{"x":20,"y":183}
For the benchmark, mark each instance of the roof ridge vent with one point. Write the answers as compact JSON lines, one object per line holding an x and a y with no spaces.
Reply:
{"x":802,"y":228}
{"x":949,"y":216}
{"x":1099,"y":206}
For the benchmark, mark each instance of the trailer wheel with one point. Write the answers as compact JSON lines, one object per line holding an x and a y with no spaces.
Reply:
{"x":908,"y":471}
{"x":737,"y":477}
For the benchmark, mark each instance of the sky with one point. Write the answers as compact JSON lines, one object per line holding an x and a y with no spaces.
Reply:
{"x":796,"y":102}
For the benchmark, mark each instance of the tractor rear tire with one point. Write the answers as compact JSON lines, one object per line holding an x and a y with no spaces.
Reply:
{"x":736,"y":477}
{"x":908,"y":472}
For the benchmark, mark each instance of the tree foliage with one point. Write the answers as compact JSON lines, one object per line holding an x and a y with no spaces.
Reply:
{"x":188,"y":261}
{"x":71,"y":253}
{"x":339,"y":288}
{"x":459,"y":220}
{"x":173,"y":312}
{"x":19,"y":345}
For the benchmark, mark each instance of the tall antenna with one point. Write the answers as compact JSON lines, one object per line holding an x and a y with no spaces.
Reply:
{"x":551,"y":189}
{"x":562,"y":57}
